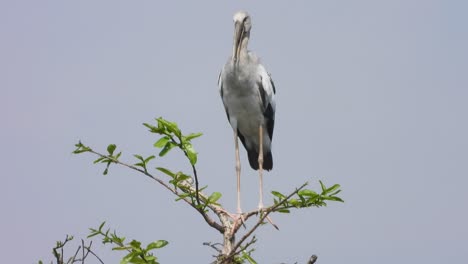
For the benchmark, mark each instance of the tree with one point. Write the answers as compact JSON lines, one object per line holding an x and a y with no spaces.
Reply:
{"x":186,"y":188}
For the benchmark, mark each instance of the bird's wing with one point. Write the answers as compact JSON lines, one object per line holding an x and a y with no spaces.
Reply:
{"x":221,"y":92}
{"x":267,"y":92}
{"x":266,"y":87}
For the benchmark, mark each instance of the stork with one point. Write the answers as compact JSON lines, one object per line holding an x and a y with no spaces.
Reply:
{"x":248,"y":95}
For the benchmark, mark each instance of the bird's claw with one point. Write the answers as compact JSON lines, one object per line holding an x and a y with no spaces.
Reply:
{"x":261,"y":211}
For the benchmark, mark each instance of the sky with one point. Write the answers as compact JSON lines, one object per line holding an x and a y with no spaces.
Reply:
{"x":370,"y":94}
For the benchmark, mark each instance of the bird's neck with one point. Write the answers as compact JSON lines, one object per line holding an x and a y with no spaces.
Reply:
{"x":242,"y":53}
{"x":244,"y":47}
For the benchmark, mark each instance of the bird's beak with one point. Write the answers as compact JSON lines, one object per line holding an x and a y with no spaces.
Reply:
{"x":238,"y":35}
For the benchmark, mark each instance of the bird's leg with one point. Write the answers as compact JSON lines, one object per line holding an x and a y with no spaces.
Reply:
{"x":260,"y":173}
{"x":240,"y":218}
{"x":260,"y":165}
{"x":238,"y":172}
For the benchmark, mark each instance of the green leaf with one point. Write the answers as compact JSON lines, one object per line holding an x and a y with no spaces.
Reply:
{"x":138,"y":157}
{"x":135,"y":244}
{"x":170,"y":145}
{"x":99,"y":159}
{"x":80,"y":148}
{"x":166,"y":171}
{"x":214,"y":197}
{"x":181,"y":177}
{"x":333,"y":188}
{"x":191,"y":154}
{"x":161,"y":142}
{"x":102,"y":225}
{"x":333,"y":198}
{"x":140,"y":164}
{"x":170,"y":126}
{"x":150,"y":259}
{"x":192,"y":136}
{"x":324,"y":189}
{"x":284,"y":211}
{"x":156,"y":244}
{"x":149,"y":158}
{"x":121,"y":248}
{"x":294,"y":202}
{"x":307,"y":192}
{"x":93,"y":234}
{"x":153,"y":129}
{"x":111,"y":149}
{"x":182,"y":196}
{"x":247,"y":256}
{"x":128,"y":258}
{"x":278,"y":194}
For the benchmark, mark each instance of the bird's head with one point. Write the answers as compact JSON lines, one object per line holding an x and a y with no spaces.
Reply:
{"x":242,"y":26}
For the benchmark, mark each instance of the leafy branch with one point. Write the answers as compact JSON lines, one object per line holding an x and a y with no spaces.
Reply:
{"x":181,"y":185}
{"x":58,"y":252}
{"x":136,"y":253}
{"x":172,"y":137}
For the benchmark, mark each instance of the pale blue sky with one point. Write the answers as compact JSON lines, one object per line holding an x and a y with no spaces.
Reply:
{"x":370,"y":94}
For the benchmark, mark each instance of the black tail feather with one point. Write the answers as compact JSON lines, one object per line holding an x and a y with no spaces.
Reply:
{"x":267,"y":160}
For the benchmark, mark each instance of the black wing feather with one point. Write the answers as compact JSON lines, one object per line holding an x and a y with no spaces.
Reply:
{"x":268,"y":112}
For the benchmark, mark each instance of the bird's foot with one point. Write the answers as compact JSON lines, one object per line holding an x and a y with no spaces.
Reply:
{"x":271,"y":222}
{"x":261,"y":211}
{"x":237,"y":218}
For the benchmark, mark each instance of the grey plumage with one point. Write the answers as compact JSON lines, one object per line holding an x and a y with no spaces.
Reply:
{"x":248,"y":91}
{"x":248,"y":95}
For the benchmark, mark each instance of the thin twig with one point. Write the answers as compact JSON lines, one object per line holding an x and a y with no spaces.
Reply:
{"x":193,"y":169}
{"x":87,"y":252}
{"x":213,"y":246}
{"x":94,"y":254}
{"x":59,"y":256}
{"x":83,"y":252}
{"x":247,"y":245}
{"x":72,"y":260}
{"x":196,"y":182}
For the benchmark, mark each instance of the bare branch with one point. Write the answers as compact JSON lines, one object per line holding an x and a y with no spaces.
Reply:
{"x":94,"y":254}
{"x":213,"y":246}
{"x":59,"y":256}
{"x":72,"y":259}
